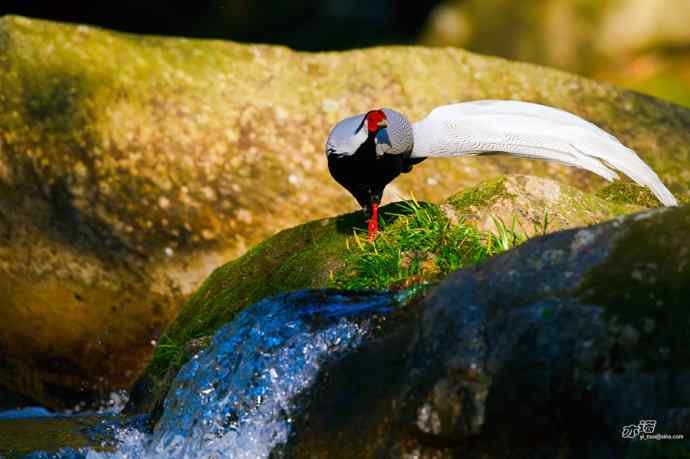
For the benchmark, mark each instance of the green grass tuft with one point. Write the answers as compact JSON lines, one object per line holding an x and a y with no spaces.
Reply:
{"x":420,"y":245}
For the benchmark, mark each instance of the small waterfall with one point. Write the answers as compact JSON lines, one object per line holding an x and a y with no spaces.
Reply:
{"x":236,"y":398}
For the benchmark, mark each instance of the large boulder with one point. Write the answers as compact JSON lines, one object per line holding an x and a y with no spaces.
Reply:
{"x":559,"y":348}
{"x":130,"y":167}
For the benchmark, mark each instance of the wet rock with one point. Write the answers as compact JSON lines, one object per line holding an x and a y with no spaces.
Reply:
{"x":545,"y":351}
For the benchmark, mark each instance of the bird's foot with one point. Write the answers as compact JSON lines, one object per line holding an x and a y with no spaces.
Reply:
{"x":373,"y":227}
{"x":373,"y":230}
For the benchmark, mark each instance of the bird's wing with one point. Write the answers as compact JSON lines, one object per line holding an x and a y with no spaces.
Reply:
{"x":530,"y":131}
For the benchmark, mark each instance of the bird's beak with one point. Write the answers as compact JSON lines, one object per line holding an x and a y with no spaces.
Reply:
{"x":382,"y":124}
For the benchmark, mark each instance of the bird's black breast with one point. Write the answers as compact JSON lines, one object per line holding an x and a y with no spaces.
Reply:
{"x":364,"y":174}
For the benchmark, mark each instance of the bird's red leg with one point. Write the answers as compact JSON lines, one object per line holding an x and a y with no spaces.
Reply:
{"x":373,"y":222}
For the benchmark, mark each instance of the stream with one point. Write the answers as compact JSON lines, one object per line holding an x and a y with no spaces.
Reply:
{"x":236,"y":398}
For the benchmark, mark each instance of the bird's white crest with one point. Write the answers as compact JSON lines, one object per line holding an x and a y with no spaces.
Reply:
{"x":531,"y":131}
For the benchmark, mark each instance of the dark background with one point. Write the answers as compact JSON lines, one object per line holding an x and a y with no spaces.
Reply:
{"x":300,"y":24}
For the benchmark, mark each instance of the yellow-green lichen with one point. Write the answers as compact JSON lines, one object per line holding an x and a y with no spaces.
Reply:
{"x":479,"y":196}
{"x":536,"y":205}
{"x":628,"y":193}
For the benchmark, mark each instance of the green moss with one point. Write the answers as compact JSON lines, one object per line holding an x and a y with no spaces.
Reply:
{"x":629,"y":193}
{"x":301,"y":257}
{"x":479,"y":195}
{"x":307,"y":256}
{"x":586,"y":203}
{"x":536,"y":205}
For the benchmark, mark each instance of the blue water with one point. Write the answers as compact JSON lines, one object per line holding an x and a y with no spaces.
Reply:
{"x":236,"y":398}
{"x":30,"y":412}
{"x":62,"y":454}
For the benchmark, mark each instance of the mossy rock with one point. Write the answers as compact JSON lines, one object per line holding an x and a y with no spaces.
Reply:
{"x":536,"y":206}
{"x":580,"y":331}
{"x":329,"y":252}
{"x":132,"y":166}
{"x":632,"y":193}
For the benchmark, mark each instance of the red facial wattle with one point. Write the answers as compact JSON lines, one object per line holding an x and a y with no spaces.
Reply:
{"x":375,"y":119}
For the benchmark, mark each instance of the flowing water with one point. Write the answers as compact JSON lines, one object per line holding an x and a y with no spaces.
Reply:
{"x":236,"y":398}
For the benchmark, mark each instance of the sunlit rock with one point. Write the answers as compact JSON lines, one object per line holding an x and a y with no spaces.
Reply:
{"x":131,"y":167}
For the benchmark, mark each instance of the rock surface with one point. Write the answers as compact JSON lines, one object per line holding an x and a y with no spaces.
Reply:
{"x":131,"y":166}
{"x":534,"y":205}
{"x":546,"y":351}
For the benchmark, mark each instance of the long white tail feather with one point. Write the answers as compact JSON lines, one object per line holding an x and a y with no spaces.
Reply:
{"x":533,"y":131}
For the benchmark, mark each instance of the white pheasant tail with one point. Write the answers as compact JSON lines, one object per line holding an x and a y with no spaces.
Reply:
{"x":531,"y":131}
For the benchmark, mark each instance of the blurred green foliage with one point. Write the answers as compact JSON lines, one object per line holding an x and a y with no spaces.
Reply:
{"x":641,"y":44}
